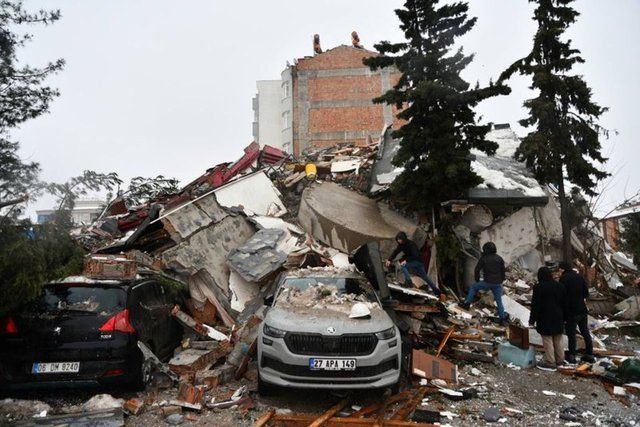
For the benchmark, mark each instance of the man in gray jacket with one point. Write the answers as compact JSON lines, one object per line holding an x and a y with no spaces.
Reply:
{"x":491,"y":265}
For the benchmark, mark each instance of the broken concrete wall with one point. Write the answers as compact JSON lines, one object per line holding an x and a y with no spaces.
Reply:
{"x":255,"y":193}
{"x":185,"y":220}
{"x":208,"y":248}
{"x":519,"y":235}
{"x":241,"y":291}
{"x":345,"y":220}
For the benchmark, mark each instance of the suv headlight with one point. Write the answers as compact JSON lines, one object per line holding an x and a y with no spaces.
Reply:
{"x":270,"y":331}
{"x":387,"y":334}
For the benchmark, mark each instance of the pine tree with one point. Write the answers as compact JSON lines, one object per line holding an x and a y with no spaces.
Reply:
{"x":436,"y":104}
{"x":22,"y":96}
{"x":566,"y":139}
{"x":630,"y":236}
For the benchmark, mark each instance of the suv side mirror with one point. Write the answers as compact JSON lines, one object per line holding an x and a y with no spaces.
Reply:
{"x":268,"y":300}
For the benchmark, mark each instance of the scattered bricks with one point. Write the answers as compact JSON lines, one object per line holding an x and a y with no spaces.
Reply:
{"x":206,"y":315}
{"x":188,"y":377}
{"x":133,"y":406}
{"x":193,"y":360}
{"x":190,"y":394}
{"x":218,"y":376}
{"x":172,"y":409}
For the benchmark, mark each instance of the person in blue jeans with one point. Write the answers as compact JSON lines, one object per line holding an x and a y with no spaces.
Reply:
{"x":491,"y":265}
{"x":411,"y":260}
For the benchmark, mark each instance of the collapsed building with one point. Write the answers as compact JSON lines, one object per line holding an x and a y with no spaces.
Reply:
{"x":230,"y":232}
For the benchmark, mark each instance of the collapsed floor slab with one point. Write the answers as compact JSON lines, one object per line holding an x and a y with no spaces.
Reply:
{"x":345,"y":220}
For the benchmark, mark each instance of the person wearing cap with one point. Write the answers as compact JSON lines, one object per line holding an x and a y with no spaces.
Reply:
{"x":491,"y":265}
{"x":575,"y":311}
{"x":411,"y":260}
{"x":547,"y":315}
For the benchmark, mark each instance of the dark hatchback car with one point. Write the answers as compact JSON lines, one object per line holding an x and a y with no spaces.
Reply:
{"x":85,"y":332}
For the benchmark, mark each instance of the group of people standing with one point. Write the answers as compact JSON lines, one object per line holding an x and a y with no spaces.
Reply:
{"x":557,"y":307}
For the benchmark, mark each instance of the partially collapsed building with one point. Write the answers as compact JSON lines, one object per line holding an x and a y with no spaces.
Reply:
{"x":324,"y":100}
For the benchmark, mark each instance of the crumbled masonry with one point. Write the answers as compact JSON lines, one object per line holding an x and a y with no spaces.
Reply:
{"x":229,"y":233}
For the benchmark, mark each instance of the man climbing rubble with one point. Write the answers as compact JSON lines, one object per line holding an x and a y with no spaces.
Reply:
{"x":576,"y":311}
{"x":491,"y":265}
{"x":411,"y":260}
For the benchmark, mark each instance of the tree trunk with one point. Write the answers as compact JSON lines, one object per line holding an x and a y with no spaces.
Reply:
{"x":567,"y":250}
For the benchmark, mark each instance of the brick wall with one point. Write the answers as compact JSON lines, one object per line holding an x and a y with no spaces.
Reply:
{"x":346,"y":119}
{"x":347,"y":87}
{"x":333,"y":95}
{"x":339,"y":57}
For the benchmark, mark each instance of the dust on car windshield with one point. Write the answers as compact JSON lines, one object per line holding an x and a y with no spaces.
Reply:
{"x":80,"y":299}
{"x":325,"y":293}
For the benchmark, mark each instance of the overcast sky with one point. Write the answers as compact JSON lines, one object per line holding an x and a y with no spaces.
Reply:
{"x":165,"y":86}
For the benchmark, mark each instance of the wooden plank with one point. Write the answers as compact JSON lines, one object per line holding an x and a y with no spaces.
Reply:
{"x":416,"y":308}
{"x":318,"y":422}
{"x":265,"y":418}
{"x":444,"y":340}
{"x":403,"y":412}
{"x":374,"y":407}
{"x":303,"y":420}
{"x":454,"y":335}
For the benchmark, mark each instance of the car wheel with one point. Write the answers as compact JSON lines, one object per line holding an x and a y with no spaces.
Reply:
{"x":265,"y":389}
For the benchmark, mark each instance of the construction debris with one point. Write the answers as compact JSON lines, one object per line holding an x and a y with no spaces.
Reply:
{"x":227,"y":235}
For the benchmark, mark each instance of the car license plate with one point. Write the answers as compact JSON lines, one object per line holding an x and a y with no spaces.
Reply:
{"x":332,"y":364}
{"x":55,"y":367}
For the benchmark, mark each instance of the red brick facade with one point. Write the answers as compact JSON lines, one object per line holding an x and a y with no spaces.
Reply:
{"x":332,"y":94}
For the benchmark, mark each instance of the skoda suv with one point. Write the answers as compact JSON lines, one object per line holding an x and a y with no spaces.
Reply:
{"x":311,"y":338}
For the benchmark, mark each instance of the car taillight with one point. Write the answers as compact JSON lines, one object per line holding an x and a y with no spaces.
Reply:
{"x":8,"y":326}
{"x":119,"y":323}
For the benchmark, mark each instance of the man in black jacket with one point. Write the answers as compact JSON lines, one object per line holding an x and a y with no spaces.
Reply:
{"x":492,"y":267}
{"x":411,"y":260}
{"x":547,"y":314}
{"x":575,"y":312}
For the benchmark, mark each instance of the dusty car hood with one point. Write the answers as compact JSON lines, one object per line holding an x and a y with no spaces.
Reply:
{"x":313,"y":320}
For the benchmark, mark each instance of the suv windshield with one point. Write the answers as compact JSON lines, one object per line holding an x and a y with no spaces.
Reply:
{"x":103,"y":301}
{"x":325,"y":290}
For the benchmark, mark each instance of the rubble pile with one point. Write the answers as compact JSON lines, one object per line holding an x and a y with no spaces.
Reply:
{"x":228,"y":234}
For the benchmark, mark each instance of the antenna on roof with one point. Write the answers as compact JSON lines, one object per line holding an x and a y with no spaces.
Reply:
{"x":355,"y":40}
{"x":316,"y":44}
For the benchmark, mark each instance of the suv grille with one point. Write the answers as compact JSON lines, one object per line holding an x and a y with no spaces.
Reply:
{"x":320,"y":345}
{"x":304,"y":371}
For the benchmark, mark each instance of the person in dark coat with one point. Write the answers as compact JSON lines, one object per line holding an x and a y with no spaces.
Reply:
{"x":411,"y":260}
{"x":575,"y":312}
{"x":547,"y":314}
{"x":491,"y":265}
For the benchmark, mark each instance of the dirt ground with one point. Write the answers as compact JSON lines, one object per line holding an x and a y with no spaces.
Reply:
{"x":496,"y":386}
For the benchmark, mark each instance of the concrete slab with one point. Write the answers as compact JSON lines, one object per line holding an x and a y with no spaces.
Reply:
{"x":255,"y":193}
{"x":345,"y":220}
{"x":207,"y":250}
